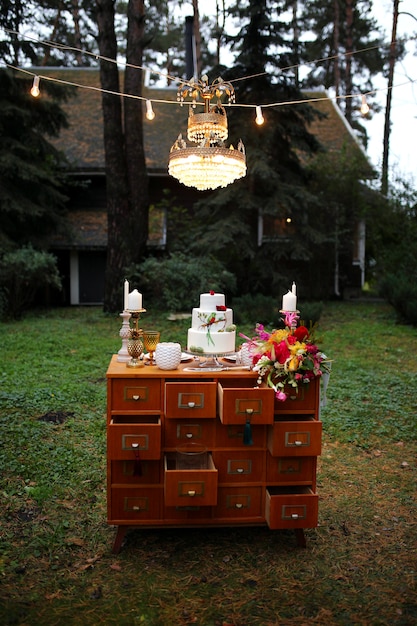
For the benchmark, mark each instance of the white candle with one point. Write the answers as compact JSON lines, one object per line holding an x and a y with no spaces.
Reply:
{"x":126,"y":295}
{"x":289,"y":302}
{"x":294,"y":289}
{"x":135,"y":301}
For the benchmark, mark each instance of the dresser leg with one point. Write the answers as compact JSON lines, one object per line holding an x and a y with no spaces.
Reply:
{"x":300,"y":537}
{"x":120,"y":535}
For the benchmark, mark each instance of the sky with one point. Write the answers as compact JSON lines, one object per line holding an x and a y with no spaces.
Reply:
{"x":403,"y":137}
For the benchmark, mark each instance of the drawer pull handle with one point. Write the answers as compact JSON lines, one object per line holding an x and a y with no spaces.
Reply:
{"x":294,"y":515}
{"x":298,"y":443}
{"x":239,"y":505}
{"x":189,"y":435}
{"x":135,"y":445}
{"x":191,"y":493}
{"x":191,"y":405}
{"x":136,"y":398}
{"x":249,"y":411}
{"x":136,"y":507}
{"x":240,"y":470}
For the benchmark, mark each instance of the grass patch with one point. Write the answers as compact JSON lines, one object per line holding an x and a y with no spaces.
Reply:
{"x":56,"y":566}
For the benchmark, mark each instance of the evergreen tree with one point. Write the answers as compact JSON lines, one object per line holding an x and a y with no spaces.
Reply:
{"x":346,"y":38}
{"x":276,"y":181}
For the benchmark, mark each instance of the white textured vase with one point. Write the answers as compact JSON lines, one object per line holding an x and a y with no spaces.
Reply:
{"x":168,"y":355}
{"x":245,"y":355}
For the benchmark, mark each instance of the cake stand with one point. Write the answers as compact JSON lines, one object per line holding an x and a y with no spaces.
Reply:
{"x":211,"y":363}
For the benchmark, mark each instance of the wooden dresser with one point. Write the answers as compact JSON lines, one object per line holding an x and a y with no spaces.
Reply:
{"x":152,"y":413}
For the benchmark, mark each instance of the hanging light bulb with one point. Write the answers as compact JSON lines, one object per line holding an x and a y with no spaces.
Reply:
{"x":364,"y":106}
{"x":259,"y":117}
{"x":149,"y":111}
{"x":35,"y":87}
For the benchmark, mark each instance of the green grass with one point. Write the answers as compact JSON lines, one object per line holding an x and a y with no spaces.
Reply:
{"x":56,"y":565}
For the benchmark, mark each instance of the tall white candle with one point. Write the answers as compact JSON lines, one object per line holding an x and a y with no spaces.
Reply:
{"x":126,"y":296}
{"x":294,"y":289}
{"x":289,"y":302}
{"x":135,"y":301}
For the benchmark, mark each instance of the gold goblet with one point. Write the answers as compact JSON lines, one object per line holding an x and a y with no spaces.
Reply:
{"x":150,"y":341}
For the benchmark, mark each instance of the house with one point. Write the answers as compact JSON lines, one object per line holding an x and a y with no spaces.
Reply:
{"x":82,"y":252}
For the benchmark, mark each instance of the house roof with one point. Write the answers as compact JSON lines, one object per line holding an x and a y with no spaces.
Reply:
{"x":83,"y":143}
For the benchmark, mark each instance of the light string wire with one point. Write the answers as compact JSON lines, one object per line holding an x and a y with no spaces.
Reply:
{"x":189,"y":82}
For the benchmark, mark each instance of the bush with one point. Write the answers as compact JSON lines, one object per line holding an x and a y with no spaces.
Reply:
{"x":401,"y":291}
{"x":176,"y":282}
{"x":23,"y":273}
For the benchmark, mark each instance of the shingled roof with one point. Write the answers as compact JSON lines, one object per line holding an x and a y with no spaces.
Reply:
{"x":83,"y":145}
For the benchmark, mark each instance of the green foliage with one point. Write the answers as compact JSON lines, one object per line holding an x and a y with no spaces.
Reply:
{"x":23,"y":273}
{"x":175,"y":282}
{"x":31,"y":198}
{"x":248,"y":309}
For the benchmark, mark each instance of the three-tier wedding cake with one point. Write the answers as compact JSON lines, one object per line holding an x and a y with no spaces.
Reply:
{"x":212,"y":330}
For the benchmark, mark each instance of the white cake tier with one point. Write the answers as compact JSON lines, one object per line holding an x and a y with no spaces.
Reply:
{"x":216,"y":320}
{"x":211,"y":343}
{"x":209,"y":301}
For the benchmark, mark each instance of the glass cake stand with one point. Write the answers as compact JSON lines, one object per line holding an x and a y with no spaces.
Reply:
{"x":211,"y":361}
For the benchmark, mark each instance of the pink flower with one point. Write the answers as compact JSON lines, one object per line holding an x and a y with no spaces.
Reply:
{"x":281,"y":396}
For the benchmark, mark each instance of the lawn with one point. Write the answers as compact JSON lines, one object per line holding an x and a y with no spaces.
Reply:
{"x":56,"y":565}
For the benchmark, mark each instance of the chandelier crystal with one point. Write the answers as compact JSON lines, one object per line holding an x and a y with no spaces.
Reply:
{"x":209,"y":164}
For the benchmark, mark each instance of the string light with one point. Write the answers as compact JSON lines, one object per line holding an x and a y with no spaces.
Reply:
{"x":35,"y":91}
{"x":364,"y":106}
{"x":259,"y":117}
{"x":150,"y":114}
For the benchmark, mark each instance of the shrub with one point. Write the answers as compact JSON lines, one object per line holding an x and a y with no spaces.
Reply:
{"x":23,"y":273}
{"x":175,"y":282}
{"x":401,"y":291}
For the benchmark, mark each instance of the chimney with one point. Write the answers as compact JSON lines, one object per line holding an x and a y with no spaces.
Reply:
{"x":190,"y":55}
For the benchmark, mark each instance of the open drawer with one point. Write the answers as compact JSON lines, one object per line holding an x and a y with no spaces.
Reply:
{"x":239,"y":405}
{"x":189,"y":487}
{"x":291,"y":507}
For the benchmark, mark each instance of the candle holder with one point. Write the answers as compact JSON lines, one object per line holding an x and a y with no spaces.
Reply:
{"x":123,"y":354}
{"x":134,"y":343}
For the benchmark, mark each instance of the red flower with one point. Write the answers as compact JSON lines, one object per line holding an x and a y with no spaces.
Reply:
{"x":282,"y":352}
{"x":301,"y":333}
{"x":211,"y":292}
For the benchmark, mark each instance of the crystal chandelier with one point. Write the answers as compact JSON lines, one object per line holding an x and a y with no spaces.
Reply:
{"x":209,"y":164}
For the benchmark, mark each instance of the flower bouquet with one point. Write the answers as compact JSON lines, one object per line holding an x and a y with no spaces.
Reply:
{"x":286,"y":357}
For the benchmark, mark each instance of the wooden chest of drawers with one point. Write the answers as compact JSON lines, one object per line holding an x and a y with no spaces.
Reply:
{"x":151,"y":413}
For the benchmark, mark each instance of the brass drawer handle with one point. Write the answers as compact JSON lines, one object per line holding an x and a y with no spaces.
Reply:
{"x":239,"y":505}
{"x":249,"y":411}
{"x":191,"y":493}
{"x":136,"y":508}
{"x":136,"y":398}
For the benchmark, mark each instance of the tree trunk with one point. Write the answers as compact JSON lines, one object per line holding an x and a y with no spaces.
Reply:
{"x":349,"y":51}
{"x":336,"y":47}
{"x":133,"y":117}
{"x":387,"y":124}
{"x":126,"y":177}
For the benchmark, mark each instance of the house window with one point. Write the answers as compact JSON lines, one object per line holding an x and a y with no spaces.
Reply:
{"x":273,"y":228}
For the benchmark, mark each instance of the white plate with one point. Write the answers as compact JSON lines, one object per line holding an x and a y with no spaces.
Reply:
{"x":186,"y":357}
{"x":230,"y":357}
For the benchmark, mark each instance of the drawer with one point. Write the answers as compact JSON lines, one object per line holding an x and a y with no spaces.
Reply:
{"x":135,"y":395}
{"x":179,"y":431}
{"x":194,"y":487}
{"x":290,"y":469}
{"x":197,"y":399}
{"x":134,"y":437}
{"x":134,"y":473}
{"x":241,"y":466}
{"x":291,"y":507}
{"x":231,"y":436}
{"x":305,"y":397}
{"x":188,"y":514}
{"x":135,"y":504}
{"x":302,"y":438}
{"x":238,"y":405}
{"x":242,"y":504}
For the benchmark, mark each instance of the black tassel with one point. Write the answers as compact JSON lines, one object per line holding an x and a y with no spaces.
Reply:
{"x":247,"y":434}
{"x":137,"y":467}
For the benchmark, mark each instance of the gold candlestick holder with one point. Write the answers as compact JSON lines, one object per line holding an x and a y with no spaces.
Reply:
{"x":134,"y":343}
